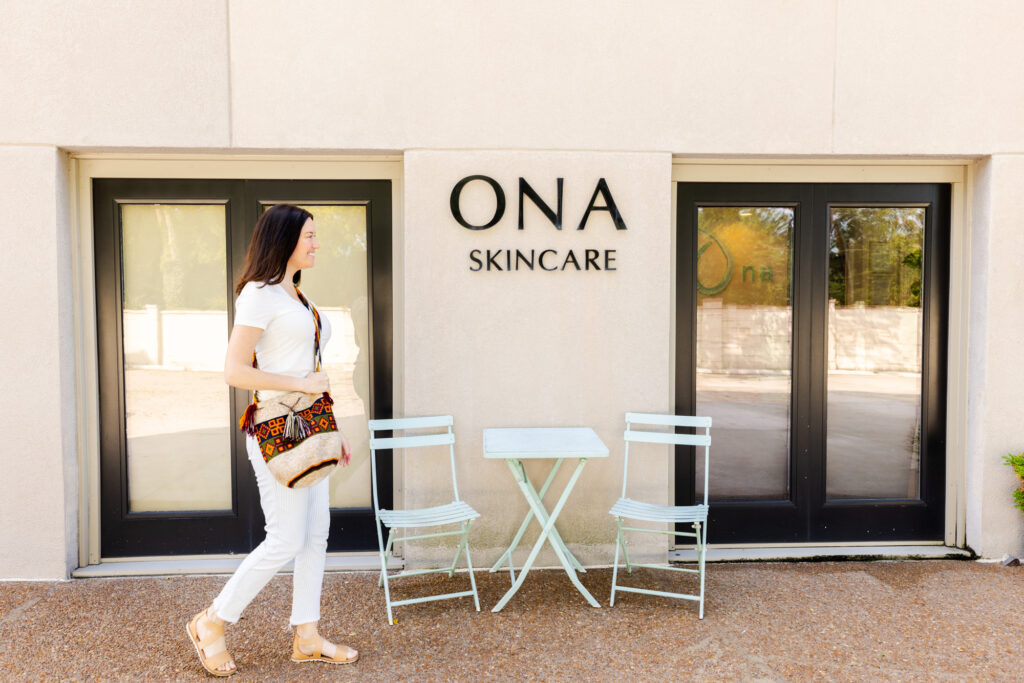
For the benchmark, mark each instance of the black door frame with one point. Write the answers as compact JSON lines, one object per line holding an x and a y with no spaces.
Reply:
{"x":806,"y":516}
{"x":238,"y":530}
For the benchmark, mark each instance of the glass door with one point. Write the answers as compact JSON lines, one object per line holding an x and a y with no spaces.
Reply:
{"x":351,"y":286}
{"x":883,"y":324}
{"x":174,"y":475}
{"x":811,"y":327}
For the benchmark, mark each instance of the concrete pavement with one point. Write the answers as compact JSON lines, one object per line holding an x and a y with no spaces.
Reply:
{"x":830,"y":621}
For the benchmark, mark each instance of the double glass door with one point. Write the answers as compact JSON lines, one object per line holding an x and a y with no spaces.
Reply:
{"x":175,"y":478}
{"x":811,"y":327}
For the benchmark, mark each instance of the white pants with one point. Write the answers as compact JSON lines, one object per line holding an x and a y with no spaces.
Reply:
{"x":297,"y":524}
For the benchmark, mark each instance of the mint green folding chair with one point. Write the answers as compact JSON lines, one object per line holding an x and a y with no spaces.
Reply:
{"x":696,"y":515}
{"x":456,"y":512}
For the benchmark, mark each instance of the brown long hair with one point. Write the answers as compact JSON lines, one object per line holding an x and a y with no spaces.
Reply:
{"x":273,"y":241}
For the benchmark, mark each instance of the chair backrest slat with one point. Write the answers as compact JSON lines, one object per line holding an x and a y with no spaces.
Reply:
{"x":411,"y":423}
{"x":422,"y":440}
{"x":668,"y":420}
{"x":666,"y":438}
{"x":393,"y":443}
{"x":662,"y":437}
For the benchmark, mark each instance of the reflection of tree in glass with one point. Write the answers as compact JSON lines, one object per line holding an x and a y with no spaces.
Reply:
{"x":340,"y":273}
{"x":755,"y":241}
{"x":875,"y":256}
{"x":173,"y":256}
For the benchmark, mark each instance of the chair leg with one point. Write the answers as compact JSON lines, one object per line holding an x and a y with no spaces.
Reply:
{"x":384,"y":570}
{"x":387,"y":555}
{"x":701,"y":548}
{"x":458,"y":551}
{"x":625,"y":550}
{"x":469,"y":562}
{"x":615,"y":564}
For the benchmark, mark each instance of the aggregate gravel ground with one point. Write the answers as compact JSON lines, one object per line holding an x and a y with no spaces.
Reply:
{"x":829,"y":621}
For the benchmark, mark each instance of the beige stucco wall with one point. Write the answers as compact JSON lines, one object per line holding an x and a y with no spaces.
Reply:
{"x":533,"y":348}
{"x":926,"y":77}
{"x":147,"y":73}
{"x":748,"y":77}
{"x":38,"y":489}
{"x":995,"y":398}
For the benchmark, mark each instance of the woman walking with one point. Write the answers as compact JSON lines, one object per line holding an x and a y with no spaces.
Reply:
{"x":274,"y":321}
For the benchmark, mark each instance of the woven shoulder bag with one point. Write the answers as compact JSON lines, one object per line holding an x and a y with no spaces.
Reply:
{"x":296,"y":431}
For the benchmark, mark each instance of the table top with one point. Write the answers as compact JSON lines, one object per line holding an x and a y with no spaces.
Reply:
{"x":543,"y":442}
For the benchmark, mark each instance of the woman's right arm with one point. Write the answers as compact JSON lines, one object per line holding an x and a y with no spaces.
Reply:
{"x":239,"y":372}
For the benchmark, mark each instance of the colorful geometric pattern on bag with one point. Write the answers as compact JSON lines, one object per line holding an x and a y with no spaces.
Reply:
{"x":273,"y":434}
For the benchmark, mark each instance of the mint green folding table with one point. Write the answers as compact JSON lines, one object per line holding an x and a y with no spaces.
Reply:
{"x":513,"y":445}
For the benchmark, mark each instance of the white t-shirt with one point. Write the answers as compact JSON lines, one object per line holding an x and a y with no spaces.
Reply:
{"x":286,"y":345}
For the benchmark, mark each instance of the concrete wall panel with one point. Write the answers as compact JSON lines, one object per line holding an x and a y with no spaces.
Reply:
{"x":926,"y":77}
{"x":995,"y":399}
{"x":38,"y":503}
{"x":788,"y":77}
{"x":132,"y":73}
{"x":534,"y":348}
{"x":744,"y":77}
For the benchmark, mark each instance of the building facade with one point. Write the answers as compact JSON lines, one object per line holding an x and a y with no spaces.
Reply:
{"x":800,"y":218}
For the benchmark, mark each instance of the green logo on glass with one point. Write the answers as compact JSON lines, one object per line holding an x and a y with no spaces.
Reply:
{"x":766,"y":275}
{"x":719,"y":286}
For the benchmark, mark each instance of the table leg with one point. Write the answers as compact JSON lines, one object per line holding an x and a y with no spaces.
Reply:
{"x":553,"y":537}
{"x":526,"y":522}
{"x":548,"y":522}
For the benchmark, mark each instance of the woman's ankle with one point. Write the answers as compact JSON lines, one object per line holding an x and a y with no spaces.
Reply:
{"x":305,"y":631}
{"x":211,"y":616}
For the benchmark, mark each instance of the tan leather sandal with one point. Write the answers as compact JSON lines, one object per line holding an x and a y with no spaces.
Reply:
{"x":317,"y":643}
{"x":216,"y":633}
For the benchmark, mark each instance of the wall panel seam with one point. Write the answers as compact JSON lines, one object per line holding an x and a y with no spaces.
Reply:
{"x":835,"y":74}
{"x":230,"y":93}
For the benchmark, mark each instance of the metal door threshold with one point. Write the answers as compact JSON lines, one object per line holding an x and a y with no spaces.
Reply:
{"x":823,"y":553}
{"x":219,"y":564}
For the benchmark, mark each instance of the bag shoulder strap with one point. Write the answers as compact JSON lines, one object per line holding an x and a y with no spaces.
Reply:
{"x":317,"y":357}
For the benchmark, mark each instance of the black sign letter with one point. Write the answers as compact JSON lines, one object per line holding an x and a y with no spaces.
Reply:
{"x":540,"y":259}
{"x":499,"y":195}
{"x":554,"y":217}
{"x":609,"y":206}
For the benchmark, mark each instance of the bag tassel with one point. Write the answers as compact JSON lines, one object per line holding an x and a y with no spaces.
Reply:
{"x":295,"y":427}
{"x":247,"y":423}
{"x":327,"y":399}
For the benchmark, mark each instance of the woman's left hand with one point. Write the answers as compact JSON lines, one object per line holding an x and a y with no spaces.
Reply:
{"x":346,"y":451}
